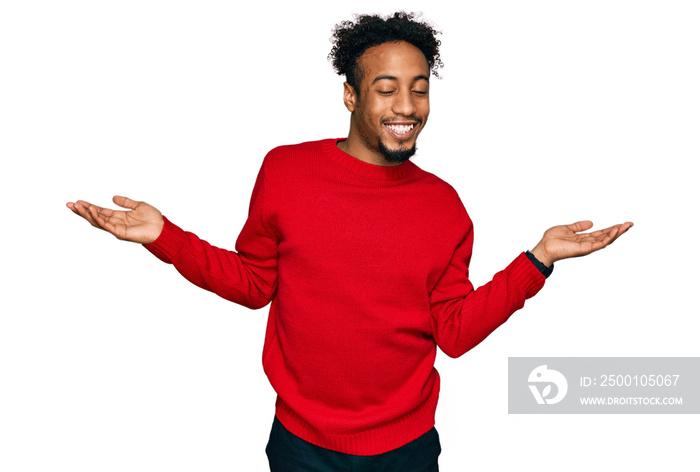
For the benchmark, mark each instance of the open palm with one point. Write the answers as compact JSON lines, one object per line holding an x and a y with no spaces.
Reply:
{"x":564,"y":241}
{"x":142,"y":223}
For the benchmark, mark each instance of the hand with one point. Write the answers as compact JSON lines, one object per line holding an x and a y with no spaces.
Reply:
{"x":142,"y":224}
{"x":562,"y":242}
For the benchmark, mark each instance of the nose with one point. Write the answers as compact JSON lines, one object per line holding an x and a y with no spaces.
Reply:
{"x":404,"y":103}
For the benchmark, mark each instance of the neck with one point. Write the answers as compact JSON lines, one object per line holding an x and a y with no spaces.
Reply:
{"x":357,"y":149}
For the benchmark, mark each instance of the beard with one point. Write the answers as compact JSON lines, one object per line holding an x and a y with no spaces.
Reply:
{"x":399,"y":155}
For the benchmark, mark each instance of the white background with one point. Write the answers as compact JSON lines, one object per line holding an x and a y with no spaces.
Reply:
{"x":547,"y":112}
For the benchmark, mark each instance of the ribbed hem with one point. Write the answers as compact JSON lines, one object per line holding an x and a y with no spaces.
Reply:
{"x":524,"y":273}
{"x":168,"y":242}
{"x":365,"y":169}
{"x":384,"y":438}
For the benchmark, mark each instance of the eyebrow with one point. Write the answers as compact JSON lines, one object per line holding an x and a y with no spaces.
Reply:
{"x":391,"y":77}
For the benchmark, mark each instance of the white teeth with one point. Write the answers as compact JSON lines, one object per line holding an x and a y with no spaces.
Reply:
{"x":400,"y":128}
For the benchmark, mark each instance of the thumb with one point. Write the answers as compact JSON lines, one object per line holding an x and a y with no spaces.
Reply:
{"x":125,"y":202}
{"x":580,"y":226}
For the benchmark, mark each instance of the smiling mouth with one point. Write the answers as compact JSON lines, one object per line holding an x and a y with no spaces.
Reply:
{"x":401,"y":131}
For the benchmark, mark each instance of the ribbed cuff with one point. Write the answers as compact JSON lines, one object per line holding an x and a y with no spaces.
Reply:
{"x":526,"y":275}
{"x":168,"y":242}
{"x":546,"y":271}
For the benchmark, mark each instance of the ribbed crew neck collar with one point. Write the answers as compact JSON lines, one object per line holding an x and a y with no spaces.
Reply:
{"x":372,"y":171}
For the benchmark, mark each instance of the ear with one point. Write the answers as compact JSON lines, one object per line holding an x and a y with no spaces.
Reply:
{"x":349,"y":97}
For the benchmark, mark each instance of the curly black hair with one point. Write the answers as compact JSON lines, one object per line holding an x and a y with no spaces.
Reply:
{"x":352,"y":39}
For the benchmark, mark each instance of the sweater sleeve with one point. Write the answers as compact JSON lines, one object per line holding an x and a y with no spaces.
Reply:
{"x":247,"y":276}
{"x":462,"y":316}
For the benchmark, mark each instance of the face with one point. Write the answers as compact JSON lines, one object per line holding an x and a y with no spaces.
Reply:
{"x":392,"y":107}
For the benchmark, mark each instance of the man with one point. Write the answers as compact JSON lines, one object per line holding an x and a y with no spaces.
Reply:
{"x":364,"y":259}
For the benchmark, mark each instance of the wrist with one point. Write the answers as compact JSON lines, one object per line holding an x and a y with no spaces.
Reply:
{"x":161,"y":225}
{"x":542,"y":256}
{"x":155,"y":234}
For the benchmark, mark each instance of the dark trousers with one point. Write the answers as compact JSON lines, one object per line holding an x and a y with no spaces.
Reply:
{"x":289,"y":453}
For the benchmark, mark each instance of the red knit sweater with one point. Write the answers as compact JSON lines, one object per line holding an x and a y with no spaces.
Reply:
{"x":366,"y":267}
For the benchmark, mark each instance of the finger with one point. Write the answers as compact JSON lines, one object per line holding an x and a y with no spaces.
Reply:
{"x":580,"y":226}
{"x":626,"y":226}
{"x":102,"y":211}
{"x":85,"y":213}
{"x":71,"y":205}
{"x":598,"y":244}
{"x":93,"y":214}
{"x":125,"y":202}
{"x":622,"y":229}
{"x":106,"y":223}
{"x":107,"y":213}
{"x":599,"y":233}
{"x":83,"y":203}
{"x":96,"y":213}
{"x":97,"y":217}
{"x":598,"y":239}
{"x":611,"y":235}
